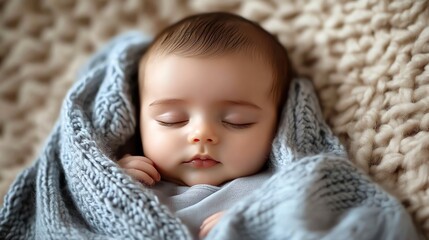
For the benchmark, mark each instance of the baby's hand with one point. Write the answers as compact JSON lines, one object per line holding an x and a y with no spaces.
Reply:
{"x":140,"y":168}
{"x":209,"y":223}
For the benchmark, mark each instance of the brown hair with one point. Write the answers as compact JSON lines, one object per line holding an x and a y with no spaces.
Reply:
{"x":210,"y":34}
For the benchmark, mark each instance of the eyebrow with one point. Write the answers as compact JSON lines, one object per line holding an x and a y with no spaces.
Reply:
{"x":228,"y":102}
{"x":242,"y":103}
{"x":166,"y":101}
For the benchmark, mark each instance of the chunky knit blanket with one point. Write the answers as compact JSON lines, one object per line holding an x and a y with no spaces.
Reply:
{"x":75,"y":189}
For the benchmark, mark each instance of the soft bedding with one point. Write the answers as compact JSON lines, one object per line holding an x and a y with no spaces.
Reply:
{"x":75,"y":189}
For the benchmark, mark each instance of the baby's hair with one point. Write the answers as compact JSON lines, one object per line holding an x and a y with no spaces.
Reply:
{"x":211,"y":34}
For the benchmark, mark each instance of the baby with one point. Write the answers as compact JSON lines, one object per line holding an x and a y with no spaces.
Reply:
{"x":211,"y":87}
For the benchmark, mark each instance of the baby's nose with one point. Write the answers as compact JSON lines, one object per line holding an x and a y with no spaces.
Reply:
{"x":203,"y":135}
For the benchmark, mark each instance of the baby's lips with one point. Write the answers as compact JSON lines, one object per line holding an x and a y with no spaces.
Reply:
{"x":199,"y":163}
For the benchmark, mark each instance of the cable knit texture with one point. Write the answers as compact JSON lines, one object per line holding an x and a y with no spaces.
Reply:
{"x":75,"y":189}
{"x":367,"y":60}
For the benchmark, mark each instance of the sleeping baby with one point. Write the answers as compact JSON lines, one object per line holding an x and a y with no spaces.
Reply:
{"x":212,"y":116}
{"x":211,"y":87}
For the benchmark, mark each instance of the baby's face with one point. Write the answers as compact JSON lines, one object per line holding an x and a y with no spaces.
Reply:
{"x":207,"y":120}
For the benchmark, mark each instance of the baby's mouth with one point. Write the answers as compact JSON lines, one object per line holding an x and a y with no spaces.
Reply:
{"x":202,"y":161}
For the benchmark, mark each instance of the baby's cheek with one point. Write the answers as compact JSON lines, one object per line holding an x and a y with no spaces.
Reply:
{"x":160,"y":149}
{"x":153,"y":148}
{"x":257,"y":147}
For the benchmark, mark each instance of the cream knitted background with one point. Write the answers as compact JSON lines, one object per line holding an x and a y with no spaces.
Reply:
{"x":368,"y":60}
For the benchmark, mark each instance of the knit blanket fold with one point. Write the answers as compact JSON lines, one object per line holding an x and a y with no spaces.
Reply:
{"x":75,"y":189}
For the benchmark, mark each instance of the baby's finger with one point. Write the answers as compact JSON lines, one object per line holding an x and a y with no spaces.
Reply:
{"x":125,"y":159}
{"x":213,"y":217}
{"x":141,"y":176}
{"x":128,"y":158}
{"x":205,"y":228}
{"x":209,"y":223}
{"x":143,"y":166}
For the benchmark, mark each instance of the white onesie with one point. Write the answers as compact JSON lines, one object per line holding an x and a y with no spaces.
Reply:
{"x":194,"y":204}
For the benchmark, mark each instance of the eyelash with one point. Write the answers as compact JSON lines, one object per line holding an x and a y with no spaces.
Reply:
{"x":166,"y":124}
{"x":237,"y":126}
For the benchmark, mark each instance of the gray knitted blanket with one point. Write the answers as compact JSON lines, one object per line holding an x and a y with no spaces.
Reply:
{"x":75,"y":189}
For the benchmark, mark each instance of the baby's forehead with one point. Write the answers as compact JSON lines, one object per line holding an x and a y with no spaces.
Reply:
{"x":230,"y":76}
{"x":239,"y":63}
{"x":244,"y":61}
